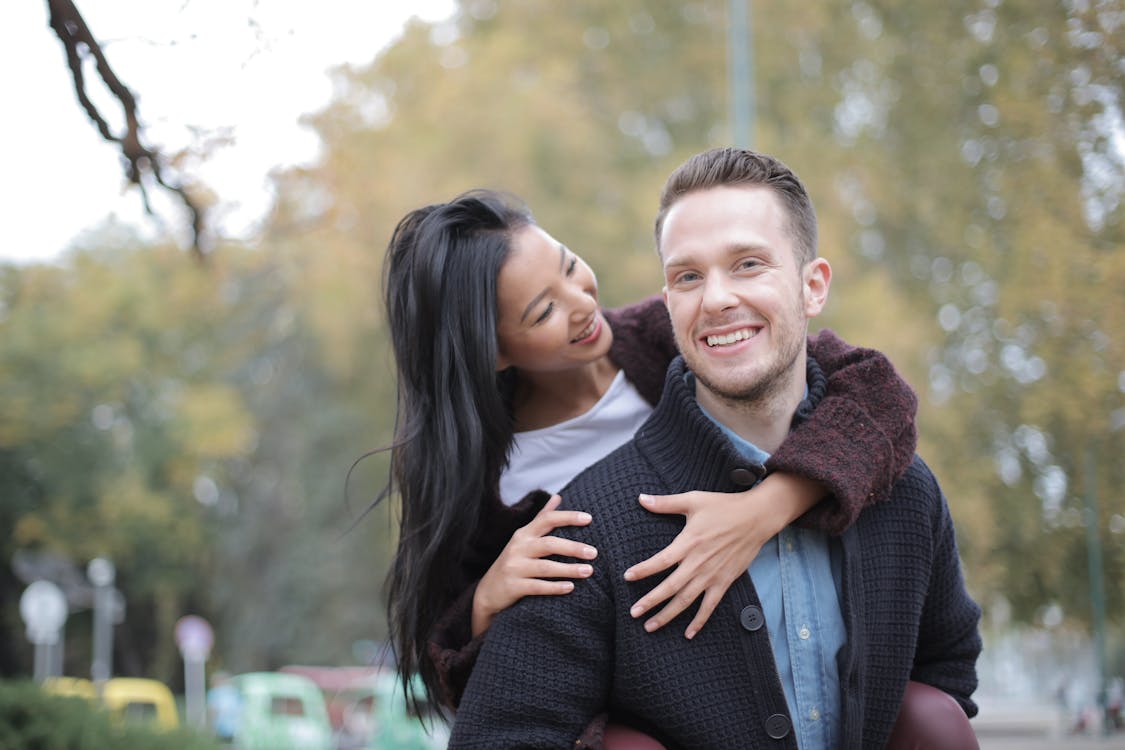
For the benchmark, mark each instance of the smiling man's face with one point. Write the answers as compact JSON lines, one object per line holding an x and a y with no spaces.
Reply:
{"x":738,"y":300}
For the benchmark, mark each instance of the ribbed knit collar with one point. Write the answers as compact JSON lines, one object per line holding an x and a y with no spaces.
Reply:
{"x":690,"y":452}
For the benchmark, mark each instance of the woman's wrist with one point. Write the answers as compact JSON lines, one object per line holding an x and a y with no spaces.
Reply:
{"x":481,"y":617}
{"x":484,"y":606}
{"x":788,"y":497}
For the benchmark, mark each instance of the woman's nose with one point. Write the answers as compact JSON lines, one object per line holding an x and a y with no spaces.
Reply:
{"x":582,"y":300}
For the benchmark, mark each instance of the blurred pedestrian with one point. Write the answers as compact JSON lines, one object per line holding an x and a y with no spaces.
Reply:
{"x":224,"y":707}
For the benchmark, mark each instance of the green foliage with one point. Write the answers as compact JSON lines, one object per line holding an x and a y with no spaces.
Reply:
{"x":31,"y":719}
{"x":989,"y":188}
{"x":178,"y":420}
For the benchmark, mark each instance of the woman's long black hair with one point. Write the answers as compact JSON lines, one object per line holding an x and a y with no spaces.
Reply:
{"x":454,"y":425}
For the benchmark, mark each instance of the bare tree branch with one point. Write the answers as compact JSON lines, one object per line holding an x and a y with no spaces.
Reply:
{"x":140,"y":160}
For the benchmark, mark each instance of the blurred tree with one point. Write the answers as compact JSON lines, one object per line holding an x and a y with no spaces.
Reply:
{"x":144,"y":164}
{"x":990,"y":187}
{"x":178,"y":421}
{"x":579,"y":118}
{"x":104,"y":433}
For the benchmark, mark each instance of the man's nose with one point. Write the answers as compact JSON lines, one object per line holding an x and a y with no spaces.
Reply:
{"x":718,"y":293}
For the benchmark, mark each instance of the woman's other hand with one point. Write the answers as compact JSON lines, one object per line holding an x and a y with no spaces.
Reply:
{"x":722,"y":535}
{"x":521,"y":568}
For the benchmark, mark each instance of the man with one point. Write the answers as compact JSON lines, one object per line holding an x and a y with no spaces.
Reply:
{"x":815,"y":647}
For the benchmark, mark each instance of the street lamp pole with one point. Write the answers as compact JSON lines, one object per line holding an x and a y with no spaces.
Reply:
{"x":740,"y":44}
{"x":101,"y":573}
{"x":1097,"y":582}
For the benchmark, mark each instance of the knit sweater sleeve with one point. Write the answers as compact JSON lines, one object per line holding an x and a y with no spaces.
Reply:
{"x":452,"y":647}
{"x":643,"y":344}
{"x":858,"y":440}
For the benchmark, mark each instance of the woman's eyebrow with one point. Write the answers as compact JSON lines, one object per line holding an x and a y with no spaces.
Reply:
{"x":534,"y":301}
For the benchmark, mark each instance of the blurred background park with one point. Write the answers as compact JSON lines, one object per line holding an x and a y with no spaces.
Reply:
{"x":187,"y":403}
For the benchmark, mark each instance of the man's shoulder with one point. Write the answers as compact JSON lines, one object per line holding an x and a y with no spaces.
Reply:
{"x":917,"y":492}
{"x":918,"y":479}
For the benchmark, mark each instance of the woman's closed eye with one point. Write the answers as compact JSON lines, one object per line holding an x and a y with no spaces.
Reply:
{"x":545,"y":314}
{"x":568,"y":271}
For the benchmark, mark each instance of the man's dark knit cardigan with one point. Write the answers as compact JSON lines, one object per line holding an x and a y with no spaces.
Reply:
{"x":859,"y":440}
{"x":551,"y":664}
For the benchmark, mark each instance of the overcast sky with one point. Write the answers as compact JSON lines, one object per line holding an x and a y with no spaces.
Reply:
{"x":249,"y":65}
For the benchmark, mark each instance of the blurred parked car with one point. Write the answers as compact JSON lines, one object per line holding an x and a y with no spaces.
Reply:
{"x":136,"y":700}
{"x":133,"y":700}
{"x":369,"y":711}
{"x":393,"y":723}
{"x":74,"y":687}
{"x":281,"y":712}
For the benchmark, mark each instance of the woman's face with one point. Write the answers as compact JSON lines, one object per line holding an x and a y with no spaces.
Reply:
{"x":548,"y":305}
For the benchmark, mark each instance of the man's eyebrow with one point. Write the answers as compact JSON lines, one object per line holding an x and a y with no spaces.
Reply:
{"x":539,"y":297}
{"x":677,"y":261}
{"x":738,"y":248}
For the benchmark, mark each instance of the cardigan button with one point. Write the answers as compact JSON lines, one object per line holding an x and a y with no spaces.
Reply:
{"x":777,"y":726}
{"x":752,"y":618}
{"x":743,"y":477}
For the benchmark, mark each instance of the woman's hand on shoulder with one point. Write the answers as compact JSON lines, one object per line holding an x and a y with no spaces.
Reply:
{"x":722,"y":535}
{"x":522,"y":567}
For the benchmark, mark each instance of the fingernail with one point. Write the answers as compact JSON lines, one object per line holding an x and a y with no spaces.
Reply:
{"x":585,"y":570}
{"x":636,"y":610}
{"x":585,"y":518}
{"x":630,"y":575}
{"x":589,"y":553}
{"x":690,"y":634}
{"x":650,"y":626}
{"x":568,"y":585}
{"x":645,"y":499}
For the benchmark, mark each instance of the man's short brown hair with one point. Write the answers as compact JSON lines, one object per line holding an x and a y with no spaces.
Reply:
{"x":733,"y":167}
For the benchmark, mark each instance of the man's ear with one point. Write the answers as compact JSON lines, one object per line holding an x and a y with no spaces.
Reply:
{"x":816,"y":278}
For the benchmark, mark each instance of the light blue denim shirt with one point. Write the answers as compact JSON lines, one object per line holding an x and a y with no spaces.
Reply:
{"x":795,"y":577}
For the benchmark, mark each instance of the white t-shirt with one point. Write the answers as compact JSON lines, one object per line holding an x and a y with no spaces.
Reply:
{"x":549,"y":458}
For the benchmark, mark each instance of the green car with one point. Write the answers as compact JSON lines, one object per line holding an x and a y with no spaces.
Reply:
{"x":281,"y":712}
{"x":377,"y":717}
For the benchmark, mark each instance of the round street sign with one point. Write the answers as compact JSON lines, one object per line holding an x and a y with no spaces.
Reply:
{"x":100,"y":571}
{"x":194,"y":637}
{"x":43,"y":609}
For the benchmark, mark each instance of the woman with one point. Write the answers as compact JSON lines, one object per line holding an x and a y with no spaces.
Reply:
{"x":511,"y":378}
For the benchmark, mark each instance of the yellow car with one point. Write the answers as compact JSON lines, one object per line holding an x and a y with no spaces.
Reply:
{"x":142,"y":701}
{"x":71,"y":687}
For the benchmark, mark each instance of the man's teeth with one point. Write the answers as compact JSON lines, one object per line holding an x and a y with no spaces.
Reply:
{"x":730,"y":338}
